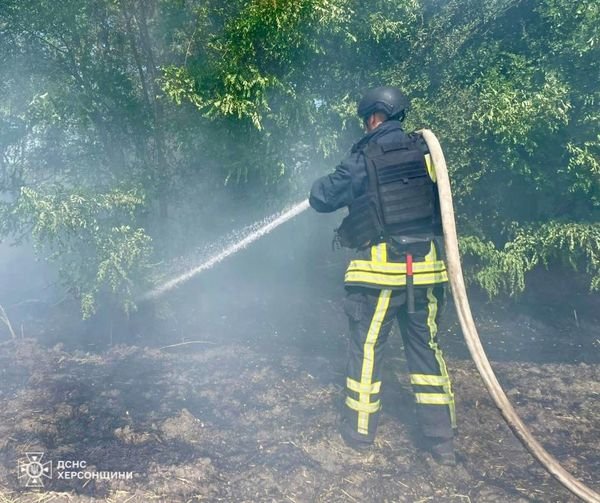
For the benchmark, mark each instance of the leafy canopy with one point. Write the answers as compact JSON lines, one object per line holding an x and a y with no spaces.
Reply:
{"x":122,"y":120}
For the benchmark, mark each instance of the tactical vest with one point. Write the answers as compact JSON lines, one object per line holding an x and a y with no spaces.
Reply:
{"x":401,"y":199}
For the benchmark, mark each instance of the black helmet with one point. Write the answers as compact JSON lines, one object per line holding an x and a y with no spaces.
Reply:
{"x":388,"y":100}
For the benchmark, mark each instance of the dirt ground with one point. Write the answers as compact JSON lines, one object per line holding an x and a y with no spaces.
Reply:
{"x":223,"y":420}
{"x":247,"y":412}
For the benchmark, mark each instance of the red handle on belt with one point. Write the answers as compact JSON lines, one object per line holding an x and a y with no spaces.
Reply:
{"x":410,"y":294}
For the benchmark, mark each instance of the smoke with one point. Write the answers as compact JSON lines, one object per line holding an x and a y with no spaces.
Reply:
{"x":238,"y":241}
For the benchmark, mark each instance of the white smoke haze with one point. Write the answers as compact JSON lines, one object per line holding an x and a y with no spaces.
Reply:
{"x":230,"y":245}
{"x":226,"y":382}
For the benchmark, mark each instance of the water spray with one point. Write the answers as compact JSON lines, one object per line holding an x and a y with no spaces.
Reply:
{"x":271,"y":223}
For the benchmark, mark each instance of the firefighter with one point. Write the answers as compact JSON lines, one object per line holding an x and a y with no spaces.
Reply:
{"x":388,"y":184}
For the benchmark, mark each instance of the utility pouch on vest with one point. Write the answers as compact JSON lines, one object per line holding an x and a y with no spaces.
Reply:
{"x":400,"y":199}
{"x":362,"y":226}
{"x":405,"y":192}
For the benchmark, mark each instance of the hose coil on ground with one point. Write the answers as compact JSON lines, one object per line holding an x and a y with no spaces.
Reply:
{"x":467,"y":324}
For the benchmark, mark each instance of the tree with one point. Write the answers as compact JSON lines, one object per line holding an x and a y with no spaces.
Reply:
{"x":125,"y":119}
{"x":509,"y":86}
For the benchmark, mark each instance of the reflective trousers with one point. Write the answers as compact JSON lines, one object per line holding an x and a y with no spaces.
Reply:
{"x":371,"y":313}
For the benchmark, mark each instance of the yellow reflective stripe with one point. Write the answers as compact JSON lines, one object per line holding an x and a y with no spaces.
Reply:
{"x":430,"y":168}
{"x":434,"y":398}
{"x":432,"y":255}
{"x":374,"y":329}
{"x":395,"y":267}
{"x":378,"y":253}
{"x":379,"y":272}
{"x":432,"y":308}
{"x":428,"y":380}
{"x":389,"y":280}
{"x":363,"y":388}
{"x":363,"y":408}
{"x":366,"y":375}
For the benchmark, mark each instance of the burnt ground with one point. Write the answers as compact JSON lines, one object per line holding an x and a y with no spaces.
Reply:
{"x":231,"y":394}
{"x":218,"y":420}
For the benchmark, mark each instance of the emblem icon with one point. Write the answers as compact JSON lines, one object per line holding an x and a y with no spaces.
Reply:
{"x":33,"y":469}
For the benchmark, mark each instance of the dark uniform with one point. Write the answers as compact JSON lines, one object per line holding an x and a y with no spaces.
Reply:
{"x":376,"y":295}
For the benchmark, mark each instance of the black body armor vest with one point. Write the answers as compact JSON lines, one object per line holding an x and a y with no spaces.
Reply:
{"x":401,"y":200}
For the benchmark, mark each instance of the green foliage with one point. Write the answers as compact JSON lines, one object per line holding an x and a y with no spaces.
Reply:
{"x":198,"y":101}
{"x":504,"y":270}
{"x":513,"y":106}
{"x":584,"y":167}
{"x":97,"y":252}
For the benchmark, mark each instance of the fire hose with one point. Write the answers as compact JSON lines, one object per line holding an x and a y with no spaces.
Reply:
{"x":471,"y":336}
